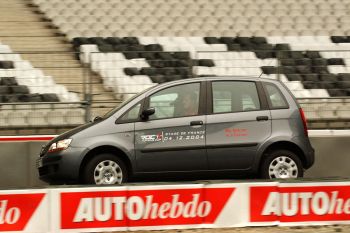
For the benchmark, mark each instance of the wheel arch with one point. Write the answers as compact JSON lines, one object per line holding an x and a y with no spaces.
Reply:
{"x":106,"y":150}
{"x":283,"y":145}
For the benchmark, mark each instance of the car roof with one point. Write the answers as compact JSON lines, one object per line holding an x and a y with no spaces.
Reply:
{"x":215,"y":78}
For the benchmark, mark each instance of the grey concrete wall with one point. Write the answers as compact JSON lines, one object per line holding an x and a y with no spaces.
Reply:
{"x":17,"y":164}
{"x":332,"y":157}
{"x":18,"y":169}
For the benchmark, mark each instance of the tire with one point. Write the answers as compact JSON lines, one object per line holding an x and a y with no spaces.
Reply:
{"x":105,"y":169}
{"x":281,"y":164}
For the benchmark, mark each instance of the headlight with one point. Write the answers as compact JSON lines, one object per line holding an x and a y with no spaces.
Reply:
{"x":60,"y":145}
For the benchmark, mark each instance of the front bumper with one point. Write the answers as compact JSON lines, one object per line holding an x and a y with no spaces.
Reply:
{"x":60,"y":167}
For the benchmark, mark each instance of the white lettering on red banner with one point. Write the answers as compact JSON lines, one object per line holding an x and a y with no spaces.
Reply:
{"x":142,"y":207}
{"x":296,"y":204}
{"x":17,"y":209}
{"x":8,"y":215}
{"x":134,"y":208}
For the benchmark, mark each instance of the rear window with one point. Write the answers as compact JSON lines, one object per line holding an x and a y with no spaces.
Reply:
{"x":275,"y":97}
{"x":235,"y":96}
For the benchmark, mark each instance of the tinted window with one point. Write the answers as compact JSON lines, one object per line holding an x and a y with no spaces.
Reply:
{"x":235,"y":96}
{"x":275,"y":97}
{"x":177,"y":101}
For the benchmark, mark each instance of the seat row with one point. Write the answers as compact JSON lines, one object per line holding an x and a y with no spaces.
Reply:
{"x":41,"y":117}
{"x":145,"y":60}
{"x":140,"y":32}
{"x":108,"y":18}
{"x":328,"y":111}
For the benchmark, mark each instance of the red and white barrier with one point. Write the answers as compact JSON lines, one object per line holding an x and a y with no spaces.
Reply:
{"x":209,"y":205}
{"x":24,"y":211}
{"x":301,"y":204}
{"x":27,"y":138}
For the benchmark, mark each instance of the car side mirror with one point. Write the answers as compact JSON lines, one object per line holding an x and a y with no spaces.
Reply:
{"x":98,"y":118}
{"x":147,"y":112}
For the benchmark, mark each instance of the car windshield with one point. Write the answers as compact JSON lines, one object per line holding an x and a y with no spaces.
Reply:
{"x":114,"y":110}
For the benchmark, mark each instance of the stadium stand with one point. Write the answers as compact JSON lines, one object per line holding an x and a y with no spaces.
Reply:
{"x":308,"y":73}
{"x":131,"y":45}
{"x":197,"y":18}
{"x":21,"y":83}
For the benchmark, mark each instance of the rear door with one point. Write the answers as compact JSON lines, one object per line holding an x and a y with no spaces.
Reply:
{"x":238,"y":121}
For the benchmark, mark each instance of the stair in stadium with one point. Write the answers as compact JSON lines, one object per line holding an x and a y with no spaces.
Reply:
{"x":26,"y":31}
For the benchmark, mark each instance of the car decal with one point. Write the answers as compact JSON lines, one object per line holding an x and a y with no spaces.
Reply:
{"x":173,"y":136}
{"x":236,"y":132}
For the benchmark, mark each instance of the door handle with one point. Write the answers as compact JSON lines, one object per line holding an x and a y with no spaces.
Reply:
{"x":193,"y":123}
{"x":262,"y":118}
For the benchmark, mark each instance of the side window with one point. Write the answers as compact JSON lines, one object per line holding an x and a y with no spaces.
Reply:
{"x":177,"y":101}
{"x":132,"y":114}
{"x":275,"y":97}
{"x":235,"y":96}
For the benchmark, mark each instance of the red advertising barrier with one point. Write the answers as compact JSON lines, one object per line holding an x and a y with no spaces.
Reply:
{"x":24,"y":211}
{"x":142,"y":207}
{"x":102,"y":209}
{"x":16,"y":209}
{"x":301,"y":203}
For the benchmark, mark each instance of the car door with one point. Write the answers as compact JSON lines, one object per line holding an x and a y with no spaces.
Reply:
{"x":173,"y":138}
{"x":238,"y":122}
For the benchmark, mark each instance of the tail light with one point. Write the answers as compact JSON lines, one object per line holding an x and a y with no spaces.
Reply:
{"x":302,"y":115}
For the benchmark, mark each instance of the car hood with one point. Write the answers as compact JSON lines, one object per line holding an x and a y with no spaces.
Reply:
{"x":69,"y":134}
{"x":76,"y":130}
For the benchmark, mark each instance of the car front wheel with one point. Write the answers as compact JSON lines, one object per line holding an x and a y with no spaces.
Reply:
{"x":281,"y":164}
{"x":105,"y":169}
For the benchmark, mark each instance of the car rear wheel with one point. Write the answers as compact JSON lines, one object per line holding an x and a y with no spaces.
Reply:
{"x":105,"y":169}
{"x":281,"y":164}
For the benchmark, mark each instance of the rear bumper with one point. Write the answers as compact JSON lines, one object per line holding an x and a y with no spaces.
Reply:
{"x":310,"y":158}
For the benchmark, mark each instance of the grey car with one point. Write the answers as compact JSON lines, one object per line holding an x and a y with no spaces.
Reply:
{"x":212,"y":124}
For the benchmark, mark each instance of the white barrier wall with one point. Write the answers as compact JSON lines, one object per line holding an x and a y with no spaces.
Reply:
{"x":96,"y":209}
